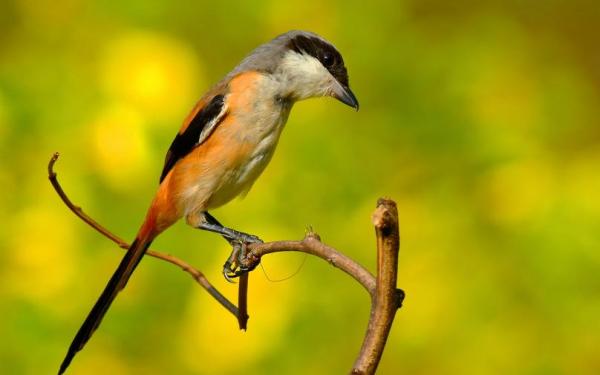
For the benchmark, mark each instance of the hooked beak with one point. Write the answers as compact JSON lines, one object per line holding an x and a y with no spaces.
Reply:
{"x":344,"y":95}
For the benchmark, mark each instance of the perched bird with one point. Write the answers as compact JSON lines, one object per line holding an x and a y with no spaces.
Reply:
{"x":224,"y":145}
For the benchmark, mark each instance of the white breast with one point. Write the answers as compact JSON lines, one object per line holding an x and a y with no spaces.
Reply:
{"x":249,"y":172}
{"x":260,"y":130}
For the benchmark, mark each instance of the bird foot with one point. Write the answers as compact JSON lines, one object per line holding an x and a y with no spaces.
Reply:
{"x":234,"y":265}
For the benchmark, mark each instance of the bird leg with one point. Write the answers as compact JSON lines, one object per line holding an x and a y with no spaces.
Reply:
{"x":233,"y":265}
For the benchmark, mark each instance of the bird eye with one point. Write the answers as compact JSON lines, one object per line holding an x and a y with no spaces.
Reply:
{"x":327,"y":59}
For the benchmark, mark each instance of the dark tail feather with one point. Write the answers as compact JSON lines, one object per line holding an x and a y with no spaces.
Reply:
{"x":117,"y":282}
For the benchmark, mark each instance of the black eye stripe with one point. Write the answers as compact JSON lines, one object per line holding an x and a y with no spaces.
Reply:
{"x":316,"y":48}
{"x":324,"y":52}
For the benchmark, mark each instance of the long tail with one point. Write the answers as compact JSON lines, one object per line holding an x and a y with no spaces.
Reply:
{"x":117,"y":282}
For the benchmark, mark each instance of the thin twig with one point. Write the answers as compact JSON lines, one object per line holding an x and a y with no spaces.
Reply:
{"x":311,"y":244}
{"x":243,"y":301}
{"x":385,"y":298}
{"x":194,"y":272}
{"x":388,"y":298}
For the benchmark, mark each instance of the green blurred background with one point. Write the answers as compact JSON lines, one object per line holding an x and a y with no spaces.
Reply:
{"x":479,"y":119}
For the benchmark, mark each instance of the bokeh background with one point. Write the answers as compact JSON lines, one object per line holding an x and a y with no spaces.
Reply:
{"x":479,"y":118}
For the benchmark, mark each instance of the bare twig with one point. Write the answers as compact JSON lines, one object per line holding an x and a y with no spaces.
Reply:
{"x":243,"y":301}
{"x":194,"y":272}
{"x":388,"y":298}
{"x":312,"y":244}
{"x":385,"y":298}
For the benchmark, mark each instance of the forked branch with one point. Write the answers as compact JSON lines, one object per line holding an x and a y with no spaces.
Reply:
{"x":385,"y":297}
{"x":194,"y":272}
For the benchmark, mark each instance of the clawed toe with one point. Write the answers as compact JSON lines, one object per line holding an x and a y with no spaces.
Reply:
{"x":232,"y":273}
{"x":229,"y":270}
{"x":234,"y":266}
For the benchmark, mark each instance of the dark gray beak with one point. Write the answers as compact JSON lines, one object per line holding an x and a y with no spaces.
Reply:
{"x":345,"y":95}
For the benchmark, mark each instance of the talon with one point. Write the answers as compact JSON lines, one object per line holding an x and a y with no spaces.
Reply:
{"x":229,"y":271}
{"x":227,"y":265}
{"x":242,"y":260}
{"x":229,"y":276}
{"x":234,"y":265}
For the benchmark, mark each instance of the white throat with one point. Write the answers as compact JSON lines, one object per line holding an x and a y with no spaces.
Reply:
{"x":302,"y":76}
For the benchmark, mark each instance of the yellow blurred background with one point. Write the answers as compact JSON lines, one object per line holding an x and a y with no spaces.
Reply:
{"x":479,"y":118}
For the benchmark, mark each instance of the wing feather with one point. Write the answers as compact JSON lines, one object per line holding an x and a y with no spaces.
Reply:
{"x":196,"y":132}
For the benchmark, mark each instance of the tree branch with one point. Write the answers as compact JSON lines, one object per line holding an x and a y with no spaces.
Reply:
{"x":311,"y":244}
{"x":385,"y":297}
{"x":243,"y":301}
{"x":388,"y":299}
{"x":194,"y":272}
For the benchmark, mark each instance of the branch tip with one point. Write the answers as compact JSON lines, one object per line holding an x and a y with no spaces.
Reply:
{"x":53,"y":160}
{"x":387,"y":297}
{"x":386,"y":201}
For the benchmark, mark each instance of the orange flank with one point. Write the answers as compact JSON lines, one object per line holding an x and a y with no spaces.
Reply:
{"x":205,"y":178}
{"x":242,"y":88}
{"x":241,"y":83}
{"x":208,"y":169}
{"x":162,"y":212}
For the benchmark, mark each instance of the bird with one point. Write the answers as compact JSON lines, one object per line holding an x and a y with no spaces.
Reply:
{"x":223,"y":146}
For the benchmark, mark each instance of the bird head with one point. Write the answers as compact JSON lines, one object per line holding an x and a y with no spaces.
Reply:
{"x":305,"y":65}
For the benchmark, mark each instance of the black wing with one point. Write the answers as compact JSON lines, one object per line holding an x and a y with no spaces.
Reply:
{"x":190,"y":138}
